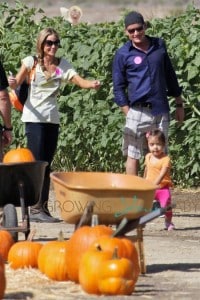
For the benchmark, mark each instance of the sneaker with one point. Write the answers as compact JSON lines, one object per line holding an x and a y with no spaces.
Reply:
{"x":169,"y":226}
{"x":42,"y":217}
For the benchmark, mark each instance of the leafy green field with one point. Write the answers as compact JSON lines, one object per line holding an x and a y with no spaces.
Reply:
{"x":91,"y":124}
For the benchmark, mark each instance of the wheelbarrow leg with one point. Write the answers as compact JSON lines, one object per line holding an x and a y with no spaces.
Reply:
{"x":1,"y":216}
{"x":86,"y":216}
{"x":140,"y":242}
{"x":24,"y":210}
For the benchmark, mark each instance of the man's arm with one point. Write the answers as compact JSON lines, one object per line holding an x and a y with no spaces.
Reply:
{"x":5,"y":108}
{"x":5,"y":112}
{"x":119,"y":82}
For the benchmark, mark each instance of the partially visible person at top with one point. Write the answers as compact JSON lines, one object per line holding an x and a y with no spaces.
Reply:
{"x":157,"y":170}
{"x":73,"y":14}
{"x":40,"y":112}
{"x":143,"y":79}
{"x":5,"y":112}
{"x":5,"y":124}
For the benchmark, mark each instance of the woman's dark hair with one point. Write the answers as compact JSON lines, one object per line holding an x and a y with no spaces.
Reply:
{"x":159,"y":134}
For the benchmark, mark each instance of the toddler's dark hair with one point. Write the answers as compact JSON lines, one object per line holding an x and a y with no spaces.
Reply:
{"x":159,"y":134}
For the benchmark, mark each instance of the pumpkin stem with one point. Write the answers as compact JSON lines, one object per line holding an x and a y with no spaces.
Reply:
{"x":61,"y":236}
{"x":95,"y":220}
{"x":115,"y":253}
{"x":31,"y":235}
{"x":98,"y":247}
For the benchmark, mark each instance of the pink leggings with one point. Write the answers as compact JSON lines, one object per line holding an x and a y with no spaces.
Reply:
{"x":163,"y":196}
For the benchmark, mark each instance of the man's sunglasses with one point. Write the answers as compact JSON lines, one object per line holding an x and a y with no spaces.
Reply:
{"x":51,"y":43}
{"x":138,"y":29}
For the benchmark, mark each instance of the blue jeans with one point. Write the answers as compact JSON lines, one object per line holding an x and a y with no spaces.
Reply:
{"x":42,"y":140}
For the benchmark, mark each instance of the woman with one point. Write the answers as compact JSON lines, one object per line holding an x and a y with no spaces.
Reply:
{"x":40,"y":113}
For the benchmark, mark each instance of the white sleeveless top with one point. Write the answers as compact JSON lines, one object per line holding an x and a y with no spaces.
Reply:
{"x":41,"y":104}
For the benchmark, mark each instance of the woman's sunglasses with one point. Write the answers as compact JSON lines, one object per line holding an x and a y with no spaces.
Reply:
{"x":51,"y":43}
{"x":138,"y":29}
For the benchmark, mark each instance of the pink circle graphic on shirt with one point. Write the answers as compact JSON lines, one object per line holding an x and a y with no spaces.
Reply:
{"x":137,"y":60}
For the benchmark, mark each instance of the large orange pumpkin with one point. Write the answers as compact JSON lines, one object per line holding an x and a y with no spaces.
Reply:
{"x":52,"y":259}
{"x":116,"y":276}
{"x":125,"y":248}
{"x":6,"y":241}
{"x":2,"y":278}
{"x":18,"y":155}
{"x":79,"y":243}
{"x":24,"y":254}
{"x":89,"y":266}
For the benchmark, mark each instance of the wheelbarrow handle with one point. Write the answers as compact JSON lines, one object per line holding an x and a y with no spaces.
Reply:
{"x":129,"y":225}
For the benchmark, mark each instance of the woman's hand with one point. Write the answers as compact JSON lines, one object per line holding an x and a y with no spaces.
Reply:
{"x":95,"y":84}
{"x":15,"y":81}
{"x":85,"y":83}
{"x":12,"y":81}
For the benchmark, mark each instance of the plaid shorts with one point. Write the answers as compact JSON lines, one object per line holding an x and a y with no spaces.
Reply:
{"x":138,"y":122}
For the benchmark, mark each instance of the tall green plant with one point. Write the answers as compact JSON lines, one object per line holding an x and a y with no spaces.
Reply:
{"x":182,"y":35}
{"x":91,"y":124}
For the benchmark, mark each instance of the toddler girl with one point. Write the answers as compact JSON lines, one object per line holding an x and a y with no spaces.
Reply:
{"x":157,"y":170}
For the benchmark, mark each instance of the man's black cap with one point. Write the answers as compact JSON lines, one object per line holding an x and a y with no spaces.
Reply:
{"x":133,"y":18}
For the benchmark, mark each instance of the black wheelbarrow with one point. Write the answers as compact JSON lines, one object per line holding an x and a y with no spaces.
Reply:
{"x":20,"y":186}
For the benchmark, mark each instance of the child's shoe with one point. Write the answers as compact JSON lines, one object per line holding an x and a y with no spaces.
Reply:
{"x":156,"y":205}
{"x":169,"y":226}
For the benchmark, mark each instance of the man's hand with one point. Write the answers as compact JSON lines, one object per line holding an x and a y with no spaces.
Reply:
{"x":180,"y":114}
{"x":6,"y":138}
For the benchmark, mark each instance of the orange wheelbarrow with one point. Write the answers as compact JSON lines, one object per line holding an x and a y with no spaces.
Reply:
{"x":117,"y":199}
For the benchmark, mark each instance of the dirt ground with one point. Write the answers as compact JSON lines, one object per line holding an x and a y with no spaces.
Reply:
{"x":172,"y":259}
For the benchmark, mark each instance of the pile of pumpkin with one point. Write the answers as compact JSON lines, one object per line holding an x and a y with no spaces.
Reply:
{"x":92,"y":257}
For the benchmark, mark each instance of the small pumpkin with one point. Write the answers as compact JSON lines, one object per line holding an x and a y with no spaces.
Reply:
{"x":79,"y":243}
{"x":6,"y":241}
{"x":52,"y":259}
{"x":116,"y":276}
{"x":24,"y":253}
{"x":126,"y":249}
{"x":89,"y":266}
{"x":2,"y":278}
{"x":18,"y":155}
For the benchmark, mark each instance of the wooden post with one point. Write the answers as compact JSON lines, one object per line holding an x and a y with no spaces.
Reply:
{"x":140,"y":242}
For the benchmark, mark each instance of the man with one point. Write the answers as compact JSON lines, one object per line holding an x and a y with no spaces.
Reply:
{"x":143,"y":78}
{"x":5,"y":112}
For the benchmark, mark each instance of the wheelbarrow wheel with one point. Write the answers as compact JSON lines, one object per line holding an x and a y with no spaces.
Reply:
{"x":10,"y":219}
